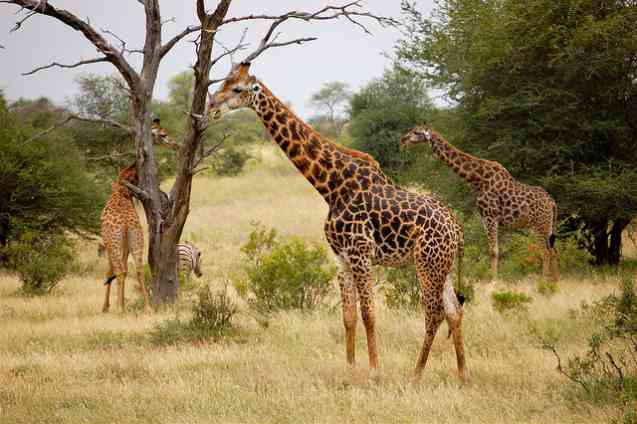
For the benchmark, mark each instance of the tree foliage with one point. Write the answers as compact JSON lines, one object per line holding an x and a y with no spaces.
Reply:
{"x":382,"y":111}
{"x":549,"y":89}
{"x":44,"y":185}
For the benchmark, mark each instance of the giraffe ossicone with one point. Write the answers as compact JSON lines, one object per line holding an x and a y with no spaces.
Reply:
{"x":371,"y":220}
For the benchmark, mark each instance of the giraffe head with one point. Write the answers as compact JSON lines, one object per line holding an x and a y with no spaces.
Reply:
{"x":129,"y":174}
{"x":157,"y":130}
{"x":239,"y":90}
{"x":417,"y":135}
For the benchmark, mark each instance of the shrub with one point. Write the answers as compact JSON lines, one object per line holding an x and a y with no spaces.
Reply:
{"x":546,"y":288}
{"x":507,"y":301}
{"x":607,"y":373}
{"x":212,"y":315}
{"x":287,"y":274}
{"x":40,"y":261}
{"x":403,"y":289}
{"x":229,"y":162}
{"x":213,"y":311}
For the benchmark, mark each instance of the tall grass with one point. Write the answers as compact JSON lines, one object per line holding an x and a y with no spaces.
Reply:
{"x":63,"y":361}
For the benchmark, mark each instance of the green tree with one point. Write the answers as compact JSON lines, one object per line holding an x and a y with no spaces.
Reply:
{"x":44,"y":185}
{"x":382,"y":111}
{"x":549,"y":90}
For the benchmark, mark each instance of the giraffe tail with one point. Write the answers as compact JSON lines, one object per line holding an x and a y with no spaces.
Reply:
{"x":554,"y":230}
{"x":459,"y":294}
{"x":109,"y":280}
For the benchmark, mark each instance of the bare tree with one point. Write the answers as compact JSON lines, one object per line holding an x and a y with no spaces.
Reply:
{"x":166,"y":213}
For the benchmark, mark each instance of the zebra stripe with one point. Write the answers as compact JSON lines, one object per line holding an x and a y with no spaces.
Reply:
{"x":189,"y":260}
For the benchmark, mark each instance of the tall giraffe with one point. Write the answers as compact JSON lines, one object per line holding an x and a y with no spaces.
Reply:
{"x":371,"y":221}
{"x":502,"y":200}
{"x":122,"y":234}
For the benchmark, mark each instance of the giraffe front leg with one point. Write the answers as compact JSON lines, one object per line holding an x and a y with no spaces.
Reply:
{"x":491,"y":227}
{"x":363,"y":280}
{"x":348,"y":302}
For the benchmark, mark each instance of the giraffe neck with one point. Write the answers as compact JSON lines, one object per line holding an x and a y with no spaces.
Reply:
{"x":322,"y":162}
{"x":464,"y":165}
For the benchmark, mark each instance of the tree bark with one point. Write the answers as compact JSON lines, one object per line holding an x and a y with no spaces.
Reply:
{"x":607,"y":244}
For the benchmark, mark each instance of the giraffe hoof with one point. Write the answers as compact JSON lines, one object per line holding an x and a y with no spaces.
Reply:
{"x":464,"y":378}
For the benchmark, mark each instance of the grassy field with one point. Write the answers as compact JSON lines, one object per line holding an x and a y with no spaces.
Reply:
{"x":63,"y":361}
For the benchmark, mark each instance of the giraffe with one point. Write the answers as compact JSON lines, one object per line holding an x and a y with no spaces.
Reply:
{"x":371,"y":221}
{"x":161,"y":137}
{"x":122,"y":234}
{"x":502,"y":200}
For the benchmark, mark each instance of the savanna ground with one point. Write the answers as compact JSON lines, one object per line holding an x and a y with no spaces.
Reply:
{"x":62,"y":360}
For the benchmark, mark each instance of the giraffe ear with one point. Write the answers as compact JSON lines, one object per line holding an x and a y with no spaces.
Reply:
{"x":428,"y":134}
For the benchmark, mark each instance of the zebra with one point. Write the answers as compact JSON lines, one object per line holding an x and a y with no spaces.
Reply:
{"x":189,"y":260}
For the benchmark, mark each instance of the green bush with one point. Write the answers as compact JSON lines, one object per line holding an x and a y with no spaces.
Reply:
{"x":546,"y":288}
{"x":212,"y":315}
{"x":40,"y":261}
{"x":213,"y":311}
{"x":229,"y":161}
{"x":288,"y":274}
{"x":607,"y":373}
{"x":403,"y":288}
{"x":510,"y":301}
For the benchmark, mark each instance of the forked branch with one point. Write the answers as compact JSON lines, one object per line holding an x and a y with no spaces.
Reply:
{"x":347,"y":11}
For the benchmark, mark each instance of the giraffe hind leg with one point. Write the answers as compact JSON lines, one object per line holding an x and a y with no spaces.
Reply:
{"x":454,"y":312}
{"x":107,"y":290}
{"x":136,"y":240}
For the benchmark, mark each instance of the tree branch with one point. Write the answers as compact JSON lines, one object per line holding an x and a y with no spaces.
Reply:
{"x":323,"y":15}
{"x":230,"y":52}
{"x":61,"y":65}
{"x":265,"y":46}
{"x":81,"y":119}
{"x":143,"y":195}
{"x":111,"y":54}
{"x":327,"y":13}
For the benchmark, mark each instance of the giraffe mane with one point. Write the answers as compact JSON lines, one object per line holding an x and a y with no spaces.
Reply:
{"x":357,"y":154}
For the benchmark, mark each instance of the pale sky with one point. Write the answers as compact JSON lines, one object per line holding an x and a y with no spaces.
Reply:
{"x":342,"y":53}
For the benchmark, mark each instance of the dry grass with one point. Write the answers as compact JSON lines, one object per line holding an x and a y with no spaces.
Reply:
{"x":61,"y":360}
